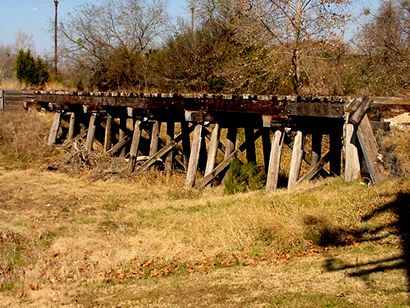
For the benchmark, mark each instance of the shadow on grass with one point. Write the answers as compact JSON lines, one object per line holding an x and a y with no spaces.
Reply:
{"x":326,"y":235}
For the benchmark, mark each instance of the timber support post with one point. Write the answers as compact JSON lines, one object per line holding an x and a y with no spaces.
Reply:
{"x":55,"y":126}
{"x":108,"y":133}
{"x":274,"y":161}
{"x":91,"y":132}
{"x":134,"y":145}
{"x":194,"y":157}
{"x":296,"y":161}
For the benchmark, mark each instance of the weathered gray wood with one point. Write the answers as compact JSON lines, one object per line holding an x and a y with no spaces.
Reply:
{"x":122,"y":134}
{"x":315,"y":169}
{"x":370,"y":151}
{"x":134,"y":145}
{"x":213,"y":149}
{"x":230,"y":140}
{"x":1,"y":102}
{"x":108,"y":133}
{"x":91,"y":133}
{"x":169,"y":161}
{"x":194,"y":157}
{"x":186,"y":143}
{"x":225,"y":163}
{"x":52,"y":137}
{"x":359,"y":113}
{"x":71,"y":127}
{"x":353,"y":104}
{"x":352,"y":161}
{"x":335,"y":147}
{"x":250,"y":150}
{"x":274,"y":161}
{"x":118,"y":146}
{"x":296,"y":162}
{"x":316,"y":148}
{"x":266,"y":147}
{"x":153,"y":148}
{"x":153,"y":158}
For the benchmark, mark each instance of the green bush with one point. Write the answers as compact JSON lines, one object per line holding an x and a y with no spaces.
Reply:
{"x":29,"y":70}
{"x":243,"y":177}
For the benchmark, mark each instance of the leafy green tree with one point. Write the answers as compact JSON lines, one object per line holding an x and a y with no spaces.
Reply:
{"x":29,"y":70}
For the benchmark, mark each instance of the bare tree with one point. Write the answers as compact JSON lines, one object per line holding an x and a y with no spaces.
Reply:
{"x":94,"y":32}
{"x":385,"y":44}
{"x":296,"y":26}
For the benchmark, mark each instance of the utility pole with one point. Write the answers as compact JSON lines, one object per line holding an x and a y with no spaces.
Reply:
{"x":192,"y":8}
{"x":55,"y":36}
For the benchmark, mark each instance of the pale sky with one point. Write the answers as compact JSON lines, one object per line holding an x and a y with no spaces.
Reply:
{"x":34,"y":17}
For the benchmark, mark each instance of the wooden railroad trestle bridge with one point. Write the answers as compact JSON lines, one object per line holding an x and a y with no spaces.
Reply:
{"x":193,"y":132}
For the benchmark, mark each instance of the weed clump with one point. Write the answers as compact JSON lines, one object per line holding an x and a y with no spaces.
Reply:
{"x":243,"y":177}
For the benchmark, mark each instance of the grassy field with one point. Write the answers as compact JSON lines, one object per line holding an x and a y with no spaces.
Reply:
{"x":74,"y":239}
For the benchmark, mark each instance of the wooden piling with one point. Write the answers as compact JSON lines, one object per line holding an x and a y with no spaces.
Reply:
{"x":122,"y":134}
{"x":250,"y":150}
{"x":108,"y":133}
{"x":153,"y":148}
{"x":170,"y":157}
{"x":335,"y":148}
{"x":213,"y":149}
{"x":230,"y":140}
{"x":316,"y":148}
{"x":134,"y":145}
{"x":91,"y":133}
{"x":296,"y":162}
{"x":352,"y":161}
{"x":186,"y":143}
{"x":266,"y":147}
{"x":194,"y":157}
{"x":52,"y":137}
{"x":71,"y":126}
{"x":274,"y":161}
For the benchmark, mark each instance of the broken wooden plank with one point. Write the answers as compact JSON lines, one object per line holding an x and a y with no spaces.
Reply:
{"x":359,"y":113}
{"x":370,"y":152}
{"x":274,"y":161}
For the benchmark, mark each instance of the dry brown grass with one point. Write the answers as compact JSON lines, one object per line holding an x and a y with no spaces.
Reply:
{"x":146,"y":241}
